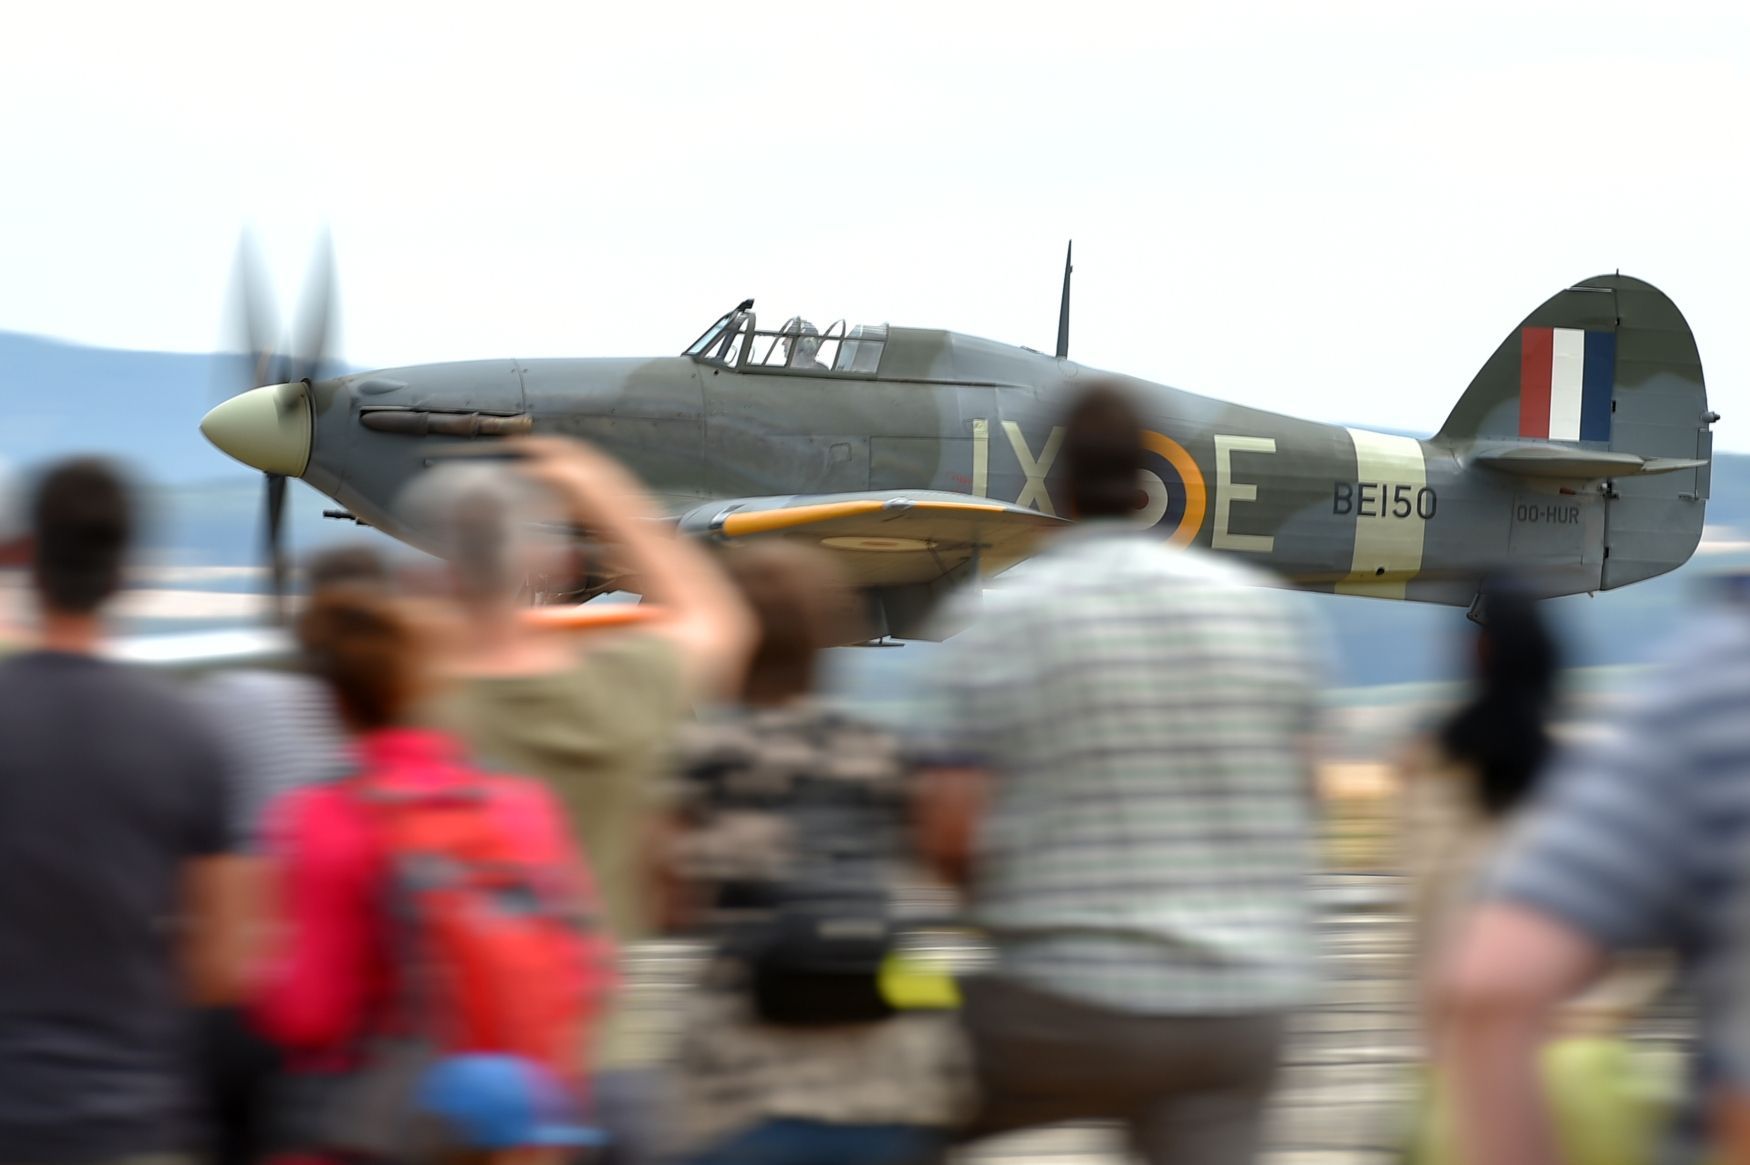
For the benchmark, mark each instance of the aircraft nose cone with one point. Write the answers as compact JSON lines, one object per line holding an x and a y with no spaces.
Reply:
{"x":265,"y":428}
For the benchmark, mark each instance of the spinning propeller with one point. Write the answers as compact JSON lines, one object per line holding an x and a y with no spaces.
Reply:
{"x":265,"y":418}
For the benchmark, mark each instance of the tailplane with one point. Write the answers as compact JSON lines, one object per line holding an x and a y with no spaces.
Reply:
{"x":1601,"y":387}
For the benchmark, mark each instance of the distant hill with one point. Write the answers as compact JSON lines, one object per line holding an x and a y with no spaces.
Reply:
{"x":146,"y":407}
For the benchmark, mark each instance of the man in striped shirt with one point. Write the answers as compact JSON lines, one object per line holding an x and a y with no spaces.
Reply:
{"x":1129,"y":724}
{"x":1640,"y":842}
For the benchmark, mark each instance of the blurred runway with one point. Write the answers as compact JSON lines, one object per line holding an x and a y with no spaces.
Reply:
{"x":1350,"y":1073}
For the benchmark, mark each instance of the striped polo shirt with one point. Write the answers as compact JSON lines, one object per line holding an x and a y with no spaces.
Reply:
{"x":1145,"y":712}
{"x":280,"y":731}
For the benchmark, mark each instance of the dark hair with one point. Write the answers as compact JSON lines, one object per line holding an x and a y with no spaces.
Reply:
{"x":1502,"y":733}
{"x":83,"y":521}
{"x":347,"y":566}
{"x":364,"y":647}
{"x":1102,"y":454}
{"x":801,"y":603}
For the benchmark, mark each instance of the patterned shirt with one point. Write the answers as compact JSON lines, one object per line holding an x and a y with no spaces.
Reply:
{"x":1146,"y":713}
{"x":751,"y":795}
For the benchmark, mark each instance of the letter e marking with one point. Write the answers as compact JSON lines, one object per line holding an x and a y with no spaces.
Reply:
{"x":1227,"y":492}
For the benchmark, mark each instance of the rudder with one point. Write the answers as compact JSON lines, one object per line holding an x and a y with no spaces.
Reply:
{"x":1608,"y":365}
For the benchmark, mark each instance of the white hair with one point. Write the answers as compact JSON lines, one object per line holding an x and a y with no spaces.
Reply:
{"x":497,"y":529}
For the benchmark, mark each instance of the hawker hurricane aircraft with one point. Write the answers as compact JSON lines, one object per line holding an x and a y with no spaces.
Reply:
{"x":1578,"y":456}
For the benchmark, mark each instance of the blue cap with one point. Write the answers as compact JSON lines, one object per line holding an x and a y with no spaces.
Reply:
{"x":502,"y":1102}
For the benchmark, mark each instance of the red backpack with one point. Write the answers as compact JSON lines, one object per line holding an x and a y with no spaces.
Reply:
{"x":494,"y":947}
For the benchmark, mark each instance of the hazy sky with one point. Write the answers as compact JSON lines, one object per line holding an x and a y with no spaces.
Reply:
{"x":1335,"y":209}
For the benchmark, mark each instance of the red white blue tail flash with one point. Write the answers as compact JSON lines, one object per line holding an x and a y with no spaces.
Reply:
{"x":1566,"y":377}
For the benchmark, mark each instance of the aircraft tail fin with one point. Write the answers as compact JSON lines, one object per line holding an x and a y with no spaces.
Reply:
{"x":1602,"y":383}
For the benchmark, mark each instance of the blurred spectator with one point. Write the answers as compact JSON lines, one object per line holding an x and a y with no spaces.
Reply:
{"x":424,"y":908}
{"x":281,"y":731}
{"x":795,"y":825}
{"x":280,"y":727}
{"x":594,"y":718}
{"x":118,"y":900}
{"x":1125,"y":782}
{"x":1464,"y":786}
{"x":14,"y":544}
{"x":1732,"y":1099}
{"x":1637,"y":842}
{"x":1465,"y":780}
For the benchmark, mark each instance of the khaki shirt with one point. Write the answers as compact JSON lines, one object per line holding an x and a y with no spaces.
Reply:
{"x":599,"y":734}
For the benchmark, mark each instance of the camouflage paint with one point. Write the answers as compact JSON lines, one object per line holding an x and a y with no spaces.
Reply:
{"x":1328,"y":508}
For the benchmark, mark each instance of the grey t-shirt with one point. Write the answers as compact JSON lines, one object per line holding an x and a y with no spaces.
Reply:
{"x":109,"y":781}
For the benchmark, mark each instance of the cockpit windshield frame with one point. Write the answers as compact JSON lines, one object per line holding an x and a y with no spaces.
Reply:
{"x":797,"y":348}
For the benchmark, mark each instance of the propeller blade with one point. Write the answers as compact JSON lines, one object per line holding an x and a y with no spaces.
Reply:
{"x":250,"y":330}
{"x":274,"y":548}
{"x":316,"y":315}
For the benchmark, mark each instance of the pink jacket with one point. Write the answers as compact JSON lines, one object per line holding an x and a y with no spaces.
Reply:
{"x":328,"y":970}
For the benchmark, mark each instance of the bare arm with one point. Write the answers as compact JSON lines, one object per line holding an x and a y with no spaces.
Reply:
{"x":948,"y":807}
{"x":704,"y":617}
{"x":221,"y":926}
{"x":1494,"y":1002}
{"x":674,"y":900}
{"x":1732,"y":1128}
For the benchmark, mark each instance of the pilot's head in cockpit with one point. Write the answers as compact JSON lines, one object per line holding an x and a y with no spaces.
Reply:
{"x":801,"y":344}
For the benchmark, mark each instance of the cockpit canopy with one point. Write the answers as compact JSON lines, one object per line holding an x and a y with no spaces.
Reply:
{"x":796,"y":346}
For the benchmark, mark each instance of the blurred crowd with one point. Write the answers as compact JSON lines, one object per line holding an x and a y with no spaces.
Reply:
{"x":372,"y":905}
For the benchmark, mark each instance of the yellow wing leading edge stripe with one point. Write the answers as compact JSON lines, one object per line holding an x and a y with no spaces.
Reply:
{"x":742,"y":525}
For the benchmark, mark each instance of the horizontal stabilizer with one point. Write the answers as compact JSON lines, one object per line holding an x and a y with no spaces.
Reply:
{"x":1583,"y":464}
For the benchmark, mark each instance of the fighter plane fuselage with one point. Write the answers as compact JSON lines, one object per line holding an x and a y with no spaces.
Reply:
{"x":749,"y":421}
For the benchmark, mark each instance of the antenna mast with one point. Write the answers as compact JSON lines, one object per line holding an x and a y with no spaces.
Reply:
{"x":1063,"y":310}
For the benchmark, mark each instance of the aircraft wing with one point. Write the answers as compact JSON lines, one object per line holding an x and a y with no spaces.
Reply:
{"x":885,"y":538}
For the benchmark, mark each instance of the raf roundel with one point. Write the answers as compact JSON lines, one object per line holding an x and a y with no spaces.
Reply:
{"x":1176,"y":498}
